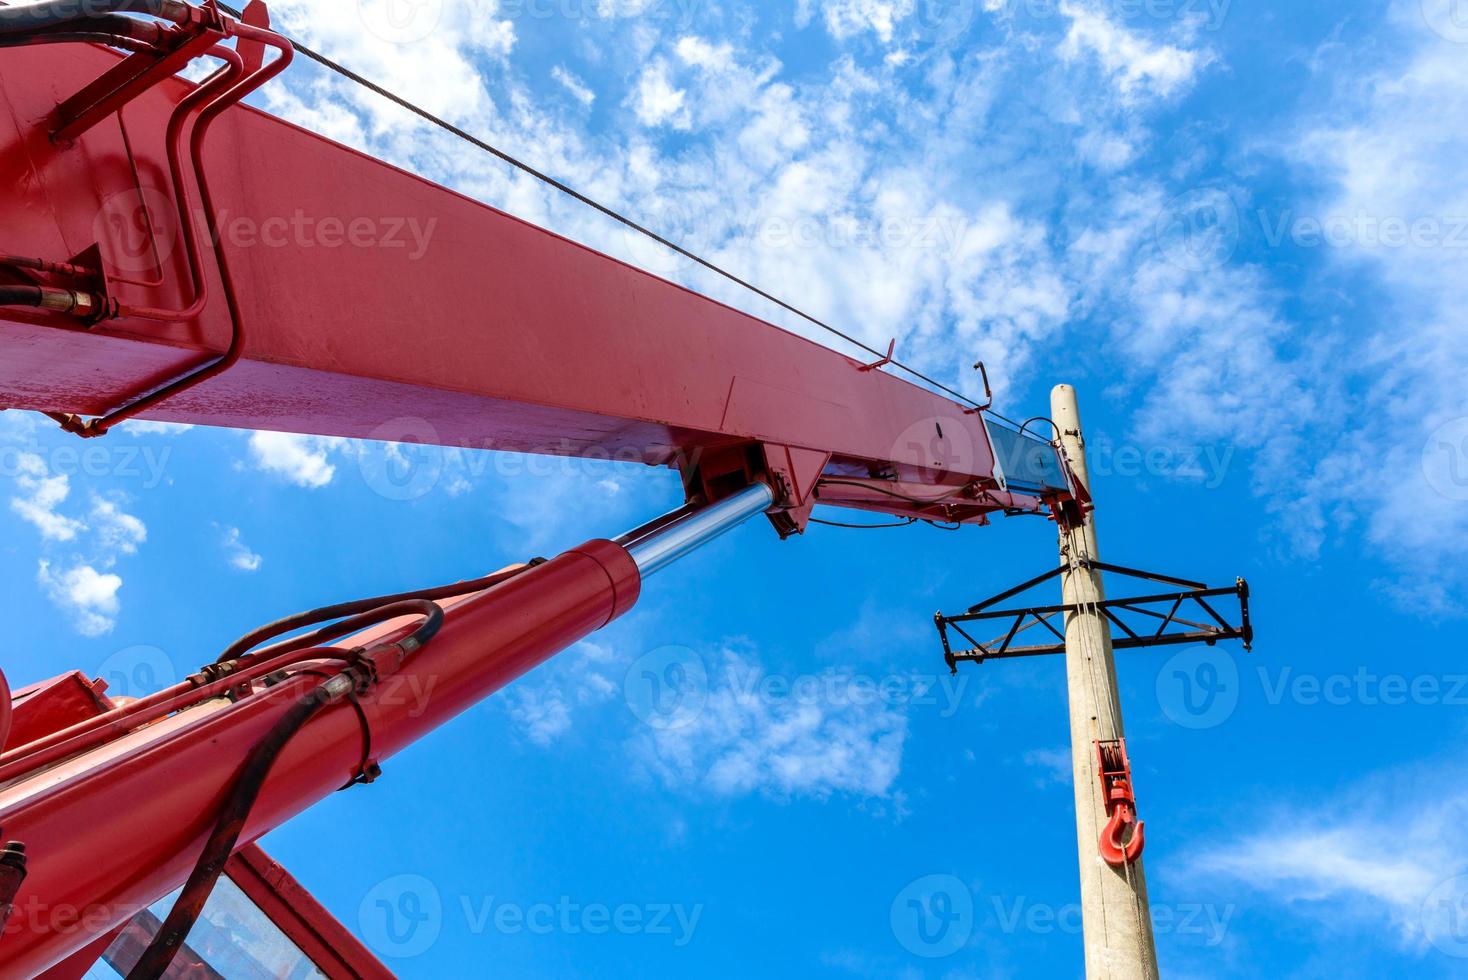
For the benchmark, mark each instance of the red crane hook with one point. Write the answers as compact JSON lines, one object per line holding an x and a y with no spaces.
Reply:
{"x":1115,"y":770}
{"x":1113,"y":851}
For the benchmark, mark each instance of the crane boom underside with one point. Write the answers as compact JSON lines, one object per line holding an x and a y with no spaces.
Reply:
{"x":375,"y":304}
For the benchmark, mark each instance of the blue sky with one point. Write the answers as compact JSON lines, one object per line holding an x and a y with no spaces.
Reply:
{"x":1239,"y":228}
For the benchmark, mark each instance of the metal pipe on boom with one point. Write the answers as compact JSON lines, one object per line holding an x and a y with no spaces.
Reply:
{"x":88,"y":875}
{"x":659,"y":549}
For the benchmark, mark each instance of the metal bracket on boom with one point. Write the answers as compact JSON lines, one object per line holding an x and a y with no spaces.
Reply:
{"x":160,"y":52}
{"x":891,"y":351}
{"x":191,"y":33}
{"x":1133,"y":617}
{"x":988,"y":391}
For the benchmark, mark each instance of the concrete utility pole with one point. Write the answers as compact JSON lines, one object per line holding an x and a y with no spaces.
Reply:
{"x":1115,"y":913}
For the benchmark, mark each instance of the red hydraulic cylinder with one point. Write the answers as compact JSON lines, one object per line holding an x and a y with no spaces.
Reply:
{"x":114,"y":830}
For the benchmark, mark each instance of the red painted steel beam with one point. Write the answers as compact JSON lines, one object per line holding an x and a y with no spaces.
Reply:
{"x":49,"y":706}
{"x":301,"y":918}
{"x":376,"y":304}
{"x":161,"y":788}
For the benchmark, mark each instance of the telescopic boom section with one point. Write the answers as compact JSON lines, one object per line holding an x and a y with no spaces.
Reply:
{"x":364,"y":301}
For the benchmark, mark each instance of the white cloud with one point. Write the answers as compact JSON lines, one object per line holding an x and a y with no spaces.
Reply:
{"x":429,"y":52}
{"x":487,"y":35}
{"x":1232,"y":386}
{"x":572,"y":83}
{"x":657,"y":101}
{"x":1388,"y":150}
{"x":847,"y":18}
{"x":543,"y":706}
{"x":538,"y":496}
{"x":1345,"y":866}
{"x":827,"y":741}
{"x":117,"y":531}
{"x":1134,"y":65}
{"x":42,"y":493}
{"x":1107,"y":151}
{"x":143,"y":427}
{"x":237,"y":553}
{"x":1005,"y":290}
{"x":542,"y":714}
{"x":81,"y":549}
{"x":612,"y":9}
{"x":89,"y":595}
{"x":700,"y":53}
{"x":1051,"y":767}
{"x":744,"y":741}
{"x":302,"y":460}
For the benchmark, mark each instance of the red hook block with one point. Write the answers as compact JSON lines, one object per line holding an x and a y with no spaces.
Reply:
{"x":1115,"y":770}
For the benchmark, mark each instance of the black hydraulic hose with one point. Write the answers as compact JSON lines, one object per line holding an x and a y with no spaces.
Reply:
{"x":892,"y":493}
{"x":432,"y":622}
{"x":143,"y":30}
{"x":73,"y":37}
{"x":311,"y":617}
{"x":246,"y":789}
{"x":112,"y":29}
{"x":71,"y":13}
{"x":46,"y":265}
{"x":227,"y":829}
{"x":20,"y":295}
{"x":50,"y":298}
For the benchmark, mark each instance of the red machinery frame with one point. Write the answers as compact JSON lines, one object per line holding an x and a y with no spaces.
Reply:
{"x":499,"y":335}
{"x":303,"y":920}
{"x":279,"y":897}
{"x":495,"y":334}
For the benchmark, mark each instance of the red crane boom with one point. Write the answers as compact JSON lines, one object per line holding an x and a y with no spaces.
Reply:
{"x":172,"y":255}
{"x":375,"y":304}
